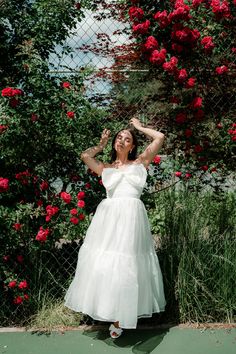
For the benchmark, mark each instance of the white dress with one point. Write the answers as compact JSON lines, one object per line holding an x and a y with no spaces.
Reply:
{"x":118,"y":277}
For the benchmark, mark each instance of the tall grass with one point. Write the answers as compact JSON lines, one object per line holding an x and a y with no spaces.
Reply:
{"x":198,"y":254}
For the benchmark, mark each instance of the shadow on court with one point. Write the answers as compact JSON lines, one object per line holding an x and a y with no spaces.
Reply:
{"x":140,"y":341}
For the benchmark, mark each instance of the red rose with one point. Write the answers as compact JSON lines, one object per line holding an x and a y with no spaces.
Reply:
{"x":17,"y":92}
{"x":170,"y":66}
{"x":42,"y":234}
{"x":151,"y":43}
{"x":23,"y":285}
{"x":34,"y":117}
{"x":74,"y":211}
{"x":196,"y":103}
{"x":157,"y":159}
{"x":181,"y":118}
{"x":207,"y":43}
{"x":4,"y":184}
{"x":219,"y":125}
{"x":12,"y":284}
{"x":191,"y":82}
{"x":39,"y":203}
{"x":188,"y":133}
{"x":204,"y":168}
{"x":66,"y":197}
{"x":20,"y":258}
{"x":196,"y":3}
{"x":44,"y":186}
{"x":181,"y":12}
{"x":220,"y":70}
{"x":7,"y":92}
{"x":3,"y":128}
{"x":185,"y":35}
{"x":142,"y":28}
{"x":23,"y":177}
{"x":51,"y":210}
{"x":178,"y":174}
{"x":198,"y":148}
{"x":66,"y":84}
{"x":74,"y":220}
{"x":220,"y":8}
{"x":81,"y":195}
{"x":81,"y":204}
{"x":135,"y":13}
{"x":70,"y":114}
{"x":158,"y":57}
{"x":162,"y":18}
{"x":188,"y":175}
{"x":17,"y":226}
{"x":26,"y":296}
{"x":6,"y":258}
{"x":181,"y":75}
{"x":18,"y":300}
{"x":14,"y":102}
{"x":87,"y":185}
{"x":81,"y":216}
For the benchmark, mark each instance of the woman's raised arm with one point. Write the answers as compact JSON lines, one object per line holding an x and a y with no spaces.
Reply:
{"x":88,"y":155}
{"x":152,"y":149}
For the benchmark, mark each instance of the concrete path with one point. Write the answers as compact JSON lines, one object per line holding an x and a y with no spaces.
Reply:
{"x":174,"y":340}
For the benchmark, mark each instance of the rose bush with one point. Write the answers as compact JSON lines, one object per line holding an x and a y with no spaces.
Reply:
{"x":189,"y":49}
{"x":46,"y":193}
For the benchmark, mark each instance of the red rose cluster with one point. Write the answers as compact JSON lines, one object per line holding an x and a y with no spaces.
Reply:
{"x":183,"y":37}
{"x":232,"y":132}
{"x":42,"y":234}
{"x":4,"y":184}
{"x":76,"y":216}
{"x":11,"y":92}
{"x":3,"y":128}
{"x":13,"y":95}
{"x":23,"y":177}
{"x":19,"y":288}
{"x":50,"y":211}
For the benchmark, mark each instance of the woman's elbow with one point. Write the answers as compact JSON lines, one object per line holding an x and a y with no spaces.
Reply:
{"x":161,"y":136}
{"x":83,"y":156}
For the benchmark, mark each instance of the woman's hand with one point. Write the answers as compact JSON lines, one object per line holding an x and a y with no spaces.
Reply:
{"x":136,"y":123}
{"x":104,"y":138}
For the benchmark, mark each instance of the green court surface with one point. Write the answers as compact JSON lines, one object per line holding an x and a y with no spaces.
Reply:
{"x":174,"y":340}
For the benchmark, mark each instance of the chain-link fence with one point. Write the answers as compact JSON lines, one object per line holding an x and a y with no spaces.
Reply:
{"x":99,"y":42}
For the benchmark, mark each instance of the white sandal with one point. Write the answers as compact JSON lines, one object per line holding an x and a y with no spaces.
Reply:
{"x":115,"y":332}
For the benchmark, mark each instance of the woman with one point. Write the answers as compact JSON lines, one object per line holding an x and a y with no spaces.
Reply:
{"x":118,"y":277}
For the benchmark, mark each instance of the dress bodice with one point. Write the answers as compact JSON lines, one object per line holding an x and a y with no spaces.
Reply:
{"x":124,"y":182}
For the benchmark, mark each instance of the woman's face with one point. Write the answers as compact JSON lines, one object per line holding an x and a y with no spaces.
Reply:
{"x":124,"y":142}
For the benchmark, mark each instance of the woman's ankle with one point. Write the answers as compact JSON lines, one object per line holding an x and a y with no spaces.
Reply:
{"x":116,"y":324}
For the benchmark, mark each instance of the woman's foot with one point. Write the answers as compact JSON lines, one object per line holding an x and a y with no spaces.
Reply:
{"x":115,"y":330}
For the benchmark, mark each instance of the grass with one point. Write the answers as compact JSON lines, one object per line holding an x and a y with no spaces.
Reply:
{"x":53,"y":315}
{"x":198,"y":254}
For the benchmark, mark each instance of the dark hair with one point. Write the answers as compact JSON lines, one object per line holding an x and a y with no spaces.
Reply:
{"x":133,"y":154}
